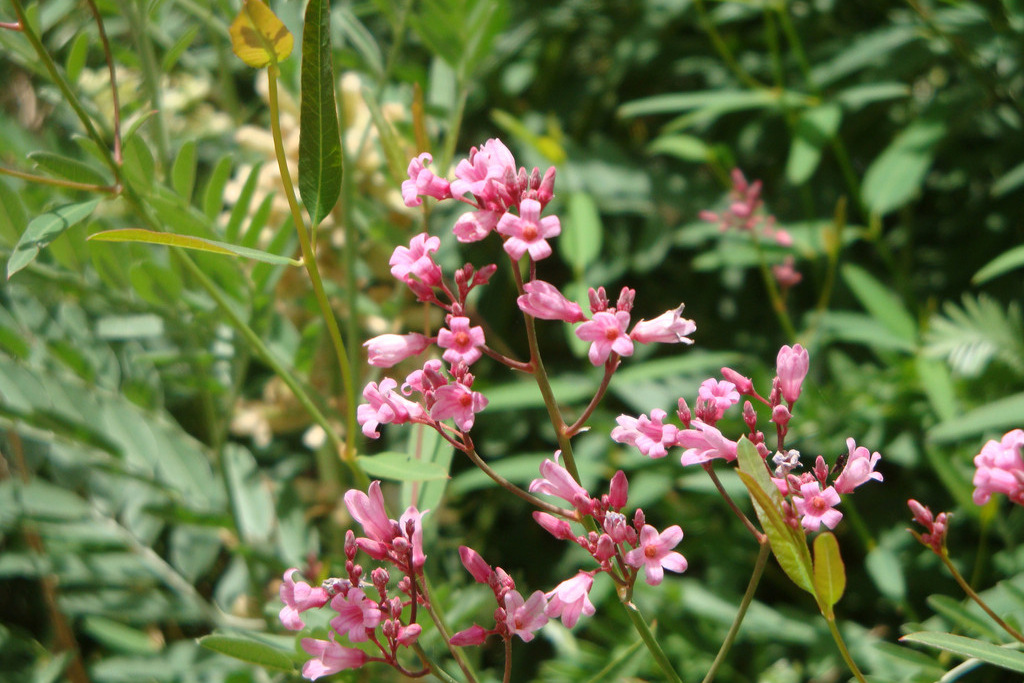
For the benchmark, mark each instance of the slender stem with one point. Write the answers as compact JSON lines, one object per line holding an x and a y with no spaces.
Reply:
{"x":65,"y":89}
{"x":59,"y":182}
{"x":575,"y":427}
{"x":432,"y":665}
{"x":442,"y":628}
{"x":640,"y":624}
{"x":723,"y":49}
{"x":118,"y":157}
{"x":348,"y":454}
{"x":151,"y":77}
{"x":748,"y":597}
{"x":977,"y":598}
{"x":841,"y":644}
{"x":758,"y":536}
{"x":778,"y":303}
{"x":508,"y":660}
{"x":513,"y":489}
{"x":11,"y":25}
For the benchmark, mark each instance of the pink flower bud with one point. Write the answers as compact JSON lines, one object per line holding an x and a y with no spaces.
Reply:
{"x":543,"y":300}
{"x":559,"y":528}
{"x":791,"y":367}
{"x":475,"y":564}
{"x":781,"y":415}
{"x":474,"y":635}
{"x":618,"y":490}
{"x":743,"y":384}
{"x":668,"y":328}
{"x":387,"y":350}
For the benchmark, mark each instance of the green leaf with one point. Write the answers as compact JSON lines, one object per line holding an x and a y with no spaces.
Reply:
{"x":896,"y":176}
{"x":251,"y":502}
{"x":428,"y":446}
{"x":249,"y":650}
{"x":66,"y":167}
{"x":788,"y":545}
{"x":175,"y":52}
{"x":118,"y":636}
{"x":1009,"y":181}
{"x":139,"y":167}
{"x":829,"y":572}
{"x":969,"y":647}
{"x":814,"y":129}
{"x":213,"y":195}
{"x":77,"y":55}
{"x":886,"y":572}
{"x":43,"y":229}
{"x":718,"y":100}
{"x":400,"y":467}
{"x":995,"y":416}
{"x":241,"y":208}
{"x":362,"y":41}
{"x":880,"y":302}
{"x":189,"y":242}
{"x":320,"y":163}
{"x":183,"y":173}
{"x":681,"y":146}
{"x":581,"y":233}
{"x":13,"y":219}
{"x":1011,"y":259}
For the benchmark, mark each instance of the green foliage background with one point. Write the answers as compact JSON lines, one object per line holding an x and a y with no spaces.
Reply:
{"x":157,"y":479}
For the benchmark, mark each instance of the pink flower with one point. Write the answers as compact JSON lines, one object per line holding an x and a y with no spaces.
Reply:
{"x":543,"y":300}
{"x":649,"y":435}
{"x":860,"y":467}
{"x":476,"y":225}
{"x":461,"y":341}
{"x":416,"y":260}
{"x":607,"y":333}
{"x":475,"y":564}
{"x":528,"y":232}
{"x":1000,"y":469}
{"x":474,"y":635}
{"x":703,"y":443}
{"x":791,"y":367}
{"x":524,"y":617}
{"x":785,"y":274}
{"x":356,"y":614}
{"x":667,"y":328}
{"x":743,"y":384}
{"x":410,"y":526}
{"x":458,"y":402}
{"x":407,"y":635}
{"x":384,"y":407}
{"x":369,"y":511}
{"x":329,"y":658}
{"x":559,"y":528}
{"x":655,"y":553}
{"x":719,"y":395}
{"x":618,"y":490}
{"x":492,"y":161}
{"x":299,"y":596}
{"x":422,"y":181}
{"x":556,"y":481}
{"x":387,"y":350}
{"x":817,"y":506}
{"x":426,"y":380}
{"x":935,"y":526}
{"x":570,"y":598}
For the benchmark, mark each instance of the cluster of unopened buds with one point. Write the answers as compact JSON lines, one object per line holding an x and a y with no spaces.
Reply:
{"x":811,"y":496}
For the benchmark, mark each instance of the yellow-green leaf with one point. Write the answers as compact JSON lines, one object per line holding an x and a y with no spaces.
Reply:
{"x":190,"y":242}
{"x":829,"y":572}
{"x":258,"y":37}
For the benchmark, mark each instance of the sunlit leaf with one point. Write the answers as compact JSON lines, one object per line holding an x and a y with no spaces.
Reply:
{"x":189,"y":242}
{"x":258,"y":37}
{"x":969,"y":647}
{"x":829,"y":571}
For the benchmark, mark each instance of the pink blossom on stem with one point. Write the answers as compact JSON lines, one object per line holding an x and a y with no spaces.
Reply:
{"x":410,"y":526}
{"x":474,"y":635}
{"x":356,"y":615}
{"x":860,"y":467}
{"x":559,"y":528}
{"x":407,"y":635}
{"x":299,"y":596}
{"x":475,"y":564}
{"x":743,"y":384}
{"x":476,"y":225}
{"x":785,"y":274}
{"x":492,"y":161}
{"x":556,"y":481}
{"x":817,"y":506}
{"x":570,"y":599}
{"x":791,"y":368}
{"x":543,"y":300}
{"x":649,"y":435}
{"x":528,"y":232}
{"x":461,"y":341}
{"x":459,"y":403}
{"x":618,"y":490}
{"x":668,"y":328}
{"x":329,"y":658}
{"x":607,"y":333}
{"x":935,"y":526}
{"x":703,"y":443}
{"x":387,"y":350}
{"x":524,"y":617}
{"x":368,"y":509}
{"x":1000,"y":469}
{"x":655,"y":553}
{"x":384,"y":406}
{"x":721,"y":395}
{"x":423,"y":181}
{"x":416,"y":260}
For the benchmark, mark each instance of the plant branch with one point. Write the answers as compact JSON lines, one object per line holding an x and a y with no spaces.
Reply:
{"x":748,"y":597}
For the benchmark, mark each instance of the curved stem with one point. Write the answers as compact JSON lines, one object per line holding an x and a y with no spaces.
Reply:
{"x":513,"y":489}
{"x":640,"y":624}
{"x":113,"y":79}
{"x":758,"y":536}
{"x":748,"y":597}
{"x":575,"y":427}
{"x":723,"y":49}
{"x":841,"y":644}
{"x":59,"y":182}
{"x":442,"y":628}
{"x":977,"y":598}
{"x":348,"y":454}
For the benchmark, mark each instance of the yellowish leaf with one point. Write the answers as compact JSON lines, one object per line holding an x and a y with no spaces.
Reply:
{"x":258,"y":37}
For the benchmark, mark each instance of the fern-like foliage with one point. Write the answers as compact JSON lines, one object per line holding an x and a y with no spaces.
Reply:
{"x":971,"y":336}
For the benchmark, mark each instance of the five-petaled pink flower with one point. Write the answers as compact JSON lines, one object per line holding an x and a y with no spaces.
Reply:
{"x":703,"y":443}
{"x":668,"y":328}
{"x":416,"y":260}
{"x":356,"y":615}
{"x":329,"y":658}
{"x":423,"y":181}
{"x":459,"y":403}
{"x":1000,"y":469}
{"x":299,"y":596}
{"x":524,"y":617}
{"x":385,"y":407}
{"x":607,"y":333}
{"x":570,"y":599}
{"x":655,"y":553}
{"x":719,"y":395}
{"x":649,"y":435}
{"x":528,"y":232}
{"x":816,"y":507}
{"x":791,"y":367}
{"x":860,"y":467}
{"x":491,"y":162}
{"x":461,"y":341}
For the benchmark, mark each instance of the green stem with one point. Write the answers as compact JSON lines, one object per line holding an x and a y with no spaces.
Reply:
{"x":778,"y":304}
{"x":442,"y":628}
{"x":151,"y":78}
{"x":640,"y":624}
{"x":512,"y":488}
{"x":748,"y":597}
{"x":977,"y":598}
{"x":58,"y":182}
{"x":723,"y":49}
{"x":348,"y":453}
{"x":841,"y":644}
{"x":115,"y":97}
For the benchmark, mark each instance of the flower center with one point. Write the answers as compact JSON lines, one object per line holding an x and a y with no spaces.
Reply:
{"x":529,"y":232}
{"x":650,"y":552}
{"x":611,"y":334}
{"x":461,"y":338}
{"x":466,"y":400}
{"x":818,"y":504}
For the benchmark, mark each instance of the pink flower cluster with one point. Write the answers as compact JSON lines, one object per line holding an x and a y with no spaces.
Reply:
{"x":1000,"y":469}
{"x":812,"y":499}
{"x":388,"y":619}
{"x":935,"y":526}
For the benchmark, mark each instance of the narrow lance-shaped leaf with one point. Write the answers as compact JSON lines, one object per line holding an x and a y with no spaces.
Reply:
{"x":43,"y":229}
{"x":320,"y":162}
{"x":258,"y":37}
{"x":829,"y":572}
{"x":969,"y":647}
{"x":189,"y":242}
